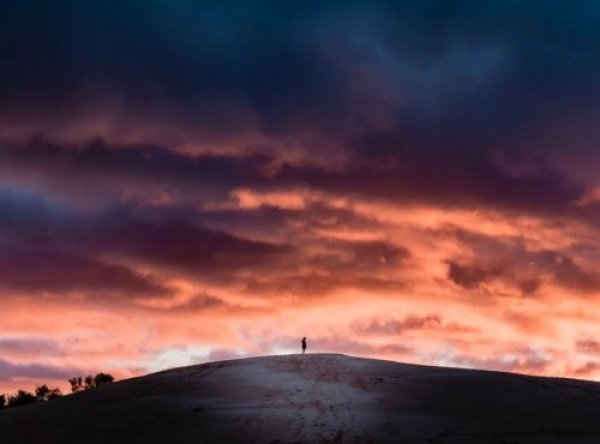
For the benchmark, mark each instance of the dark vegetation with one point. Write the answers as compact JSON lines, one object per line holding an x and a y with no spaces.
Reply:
{"x":22,"y":397}
{"x":44,"y":393}
{"x":79,"y":384}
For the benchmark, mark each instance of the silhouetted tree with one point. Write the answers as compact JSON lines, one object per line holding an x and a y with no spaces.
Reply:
{"x":89,"y":382}
{"x":43,"y":393}
{"x":76,"y":384}
{"x":21,"y":398}
{"x":103,"y":378}
{"x":2,"y":401}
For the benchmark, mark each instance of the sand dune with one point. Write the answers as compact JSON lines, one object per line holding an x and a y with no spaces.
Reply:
{"x":317,"y":398}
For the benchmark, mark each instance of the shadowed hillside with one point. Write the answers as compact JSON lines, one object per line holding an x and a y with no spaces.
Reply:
{"x":317,"y":398}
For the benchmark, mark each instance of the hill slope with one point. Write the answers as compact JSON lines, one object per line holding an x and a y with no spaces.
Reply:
{"x":317,"y":398}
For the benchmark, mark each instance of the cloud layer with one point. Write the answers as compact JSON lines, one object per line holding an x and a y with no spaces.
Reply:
{"x":186,"y":181}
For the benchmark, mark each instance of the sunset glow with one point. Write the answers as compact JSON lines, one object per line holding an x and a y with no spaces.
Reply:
{"x":183,"y":183}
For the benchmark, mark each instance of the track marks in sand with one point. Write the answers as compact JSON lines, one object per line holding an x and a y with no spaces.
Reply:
{"x":323,"y":400}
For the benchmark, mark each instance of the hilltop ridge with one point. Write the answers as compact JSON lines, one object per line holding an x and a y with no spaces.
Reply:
{"x":317,"y":398}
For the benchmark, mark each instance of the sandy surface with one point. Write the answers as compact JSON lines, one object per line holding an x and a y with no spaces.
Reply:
{"x":317,"y":399}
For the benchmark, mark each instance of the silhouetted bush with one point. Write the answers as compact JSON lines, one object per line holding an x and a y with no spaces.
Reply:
{"x":43,"y":393}
{"x":76,"y":384}
{"x":89,"y":382}
{"x":103,"y":378}
{"x":21,"y":398}
{"x":79,"y":383}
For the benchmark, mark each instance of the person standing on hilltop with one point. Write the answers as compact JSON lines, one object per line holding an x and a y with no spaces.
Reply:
{"x":303,"y":345}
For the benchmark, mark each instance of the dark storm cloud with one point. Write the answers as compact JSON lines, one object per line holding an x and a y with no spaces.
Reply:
{"x":164,"y":58}
{"x":509,"y":260}
{"x":215,"y":41}
{"x":37,"y":258}
{"x":48,"y":271}
{"x":60,"y":250}
{"x":10,"y":370}
{"x":492,"y":70}
{"x":373,"y":266}
{"x":52,"y":249}
{"x":314,"y":217}
{"x":470,"y":276}
{"x":172,"y":242}
{"x":104,"y":171}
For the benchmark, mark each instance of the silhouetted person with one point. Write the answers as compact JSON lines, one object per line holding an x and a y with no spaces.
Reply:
{"x":303,"y":345}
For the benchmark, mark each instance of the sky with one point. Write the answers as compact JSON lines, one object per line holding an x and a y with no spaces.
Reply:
{"x":183,"y":182}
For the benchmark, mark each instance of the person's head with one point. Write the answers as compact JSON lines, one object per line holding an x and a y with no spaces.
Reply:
{"x":304,"y":338}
